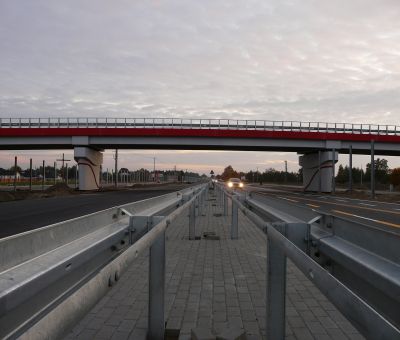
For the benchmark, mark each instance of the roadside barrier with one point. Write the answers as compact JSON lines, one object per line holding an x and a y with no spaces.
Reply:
{"x":356,"y":266}
{"x":52,"y":276}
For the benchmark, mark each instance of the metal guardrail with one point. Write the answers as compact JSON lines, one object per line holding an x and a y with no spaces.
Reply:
{"x":355,"y":266}
{"x":219,"y":124}
{"x":52,"y":276}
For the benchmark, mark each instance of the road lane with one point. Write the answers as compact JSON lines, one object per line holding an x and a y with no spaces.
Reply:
{"x":20,"y":216}
{"x":376,"y":214}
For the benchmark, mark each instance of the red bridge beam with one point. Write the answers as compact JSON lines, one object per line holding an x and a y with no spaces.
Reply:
{"x":168,"y":132}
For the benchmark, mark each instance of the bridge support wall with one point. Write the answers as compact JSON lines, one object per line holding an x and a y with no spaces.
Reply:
{"x":318,"y":170}
{"x":89,"y":162}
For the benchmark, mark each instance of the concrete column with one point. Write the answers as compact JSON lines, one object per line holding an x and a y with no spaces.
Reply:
{"x":318,"y":170}
{"x":89,"y":162}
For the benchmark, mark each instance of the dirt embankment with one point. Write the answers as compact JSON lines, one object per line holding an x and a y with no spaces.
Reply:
{"x":60,"y":189}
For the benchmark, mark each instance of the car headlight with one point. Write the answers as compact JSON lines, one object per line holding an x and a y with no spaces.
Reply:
{"x":240,"y":185}
{"x":230,"y":184}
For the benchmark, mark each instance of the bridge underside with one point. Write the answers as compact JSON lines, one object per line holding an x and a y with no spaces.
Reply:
{"x":197,"y":143}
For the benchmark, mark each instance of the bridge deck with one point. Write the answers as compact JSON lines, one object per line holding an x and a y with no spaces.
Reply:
{"x":214,"y":284}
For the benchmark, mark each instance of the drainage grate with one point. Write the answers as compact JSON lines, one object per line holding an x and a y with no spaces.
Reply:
{"x":171,"y":334}
{"x":210,"y":235}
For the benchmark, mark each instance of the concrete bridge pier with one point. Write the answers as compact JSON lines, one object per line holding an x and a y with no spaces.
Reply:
{"x":89,"y":163}
{"x":318,"y":170}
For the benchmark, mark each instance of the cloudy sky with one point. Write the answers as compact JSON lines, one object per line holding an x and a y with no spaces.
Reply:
{"x":336,"y":61}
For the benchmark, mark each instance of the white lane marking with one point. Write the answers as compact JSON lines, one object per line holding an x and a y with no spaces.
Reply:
{"x":287,"y":199}
{"x":339,"y":200}
{"x":380,"y":202}
{"x":367,"y":204}
{"x":369,"y":219}
{"x":365,"y":218}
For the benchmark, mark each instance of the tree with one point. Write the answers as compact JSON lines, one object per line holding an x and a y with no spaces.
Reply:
{"x":395,"y":177}
{"x":342,"y":175}
{"x":381,"y":171}
{"x":12,"y":169}
{"x":229,"y":173}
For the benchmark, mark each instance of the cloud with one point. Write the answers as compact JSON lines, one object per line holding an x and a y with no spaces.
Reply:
{"x":291,"y":58}
{"x":275,"y":60}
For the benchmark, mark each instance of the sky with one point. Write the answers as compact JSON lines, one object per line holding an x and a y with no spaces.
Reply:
{"x":308,"y":60}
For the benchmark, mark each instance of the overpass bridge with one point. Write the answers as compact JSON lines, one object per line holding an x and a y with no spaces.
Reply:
{"x":319,"y":143}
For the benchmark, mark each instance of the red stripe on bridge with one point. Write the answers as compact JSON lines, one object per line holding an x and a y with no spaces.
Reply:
{"x":215,"y":133}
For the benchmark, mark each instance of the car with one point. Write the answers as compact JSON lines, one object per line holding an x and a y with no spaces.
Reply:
{"x":235,"y":183}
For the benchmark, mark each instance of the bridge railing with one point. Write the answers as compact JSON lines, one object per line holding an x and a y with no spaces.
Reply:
{"x":218,"y":124}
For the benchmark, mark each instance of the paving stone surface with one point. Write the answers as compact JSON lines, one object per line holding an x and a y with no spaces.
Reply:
{"x":216,"y":284}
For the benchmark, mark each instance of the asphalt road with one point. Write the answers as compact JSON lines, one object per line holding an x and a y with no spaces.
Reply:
{"x":20,"y":216}
{"x":379,"y":215}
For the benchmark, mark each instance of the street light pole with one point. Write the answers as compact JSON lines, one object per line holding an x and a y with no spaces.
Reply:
{"x":154,"y":169}
{"x":116,"y":167}
{"x":63,"y":160}
{"x":15,"y":173}
{"x":30,"y":174}
{"x":44,"y":175}
{"x":285,"y":172}
{"x":55,"y":173}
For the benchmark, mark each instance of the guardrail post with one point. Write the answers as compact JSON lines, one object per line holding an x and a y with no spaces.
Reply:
{"x":234,"y":226}
{"x":198,"y":205}
{"x":202,"y":200}
{"x":276,"y":288}
{"x":225,"y":196}
{"x":156,"y":320}
{"x":192,"y":221}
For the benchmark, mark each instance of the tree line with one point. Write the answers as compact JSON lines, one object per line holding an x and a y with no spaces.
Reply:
{"x":269,"y":175}
{"x":38,"y":171}
{"x":383,"y":175}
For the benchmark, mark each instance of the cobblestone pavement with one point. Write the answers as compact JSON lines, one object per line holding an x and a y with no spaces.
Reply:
{"x":214,"y":284}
